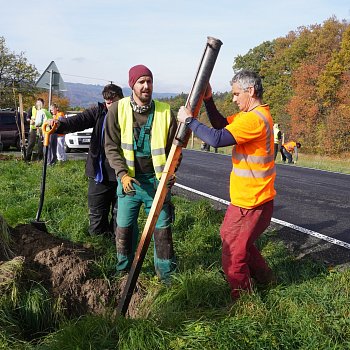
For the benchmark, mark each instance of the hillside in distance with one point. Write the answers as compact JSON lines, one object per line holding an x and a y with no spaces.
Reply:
{"x":86,"y":95}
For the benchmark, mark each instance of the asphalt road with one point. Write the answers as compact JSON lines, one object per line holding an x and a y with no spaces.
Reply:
{"x":314,"y":199}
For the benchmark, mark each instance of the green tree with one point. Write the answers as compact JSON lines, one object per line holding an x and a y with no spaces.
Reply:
{"x":331,"y":79}
{"x":15,"y":72}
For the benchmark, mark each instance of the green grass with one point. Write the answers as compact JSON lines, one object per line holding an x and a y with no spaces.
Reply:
{"x":308,"y":309}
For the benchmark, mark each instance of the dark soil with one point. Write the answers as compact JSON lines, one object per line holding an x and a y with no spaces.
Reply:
{"x":66,"y":270}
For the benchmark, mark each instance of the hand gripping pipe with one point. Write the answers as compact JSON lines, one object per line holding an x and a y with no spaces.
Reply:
{"x":195,"y":97}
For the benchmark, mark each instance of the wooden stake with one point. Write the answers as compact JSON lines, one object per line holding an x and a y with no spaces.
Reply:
{"x":23,"y":146}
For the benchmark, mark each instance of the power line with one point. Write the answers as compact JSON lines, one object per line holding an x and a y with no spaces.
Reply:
{"x":82,"y":76}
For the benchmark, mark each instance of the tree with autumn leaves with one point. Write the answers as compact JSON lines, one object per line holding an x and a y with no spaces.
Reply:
{"x":306,"y":78}
{"x":19,"y":76}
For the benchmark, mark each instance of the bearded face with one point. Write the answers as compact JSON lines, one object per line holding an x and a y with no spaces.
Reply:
{"x":142,"y":90}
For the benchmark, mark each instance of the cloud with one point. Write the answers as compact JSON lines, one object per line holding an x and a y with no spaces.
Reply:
{"x":79,"y":59}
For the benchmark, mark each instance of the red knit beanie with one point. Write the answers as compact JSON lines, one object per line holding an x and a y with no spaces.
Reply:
{"x":137,"y":72}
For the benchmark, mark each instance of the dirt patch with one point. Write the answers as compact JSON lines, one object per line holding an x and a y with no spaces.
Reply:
{"x":66,"y":270}
{"x":5,"y":157}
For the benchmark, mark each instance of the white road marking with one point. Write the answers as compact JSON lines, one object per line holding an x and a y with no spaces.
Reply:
{"x":277,"y":221}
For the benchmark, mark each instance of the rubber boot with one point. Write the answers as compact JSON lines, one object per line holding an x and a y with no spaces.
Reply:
{"x":164,"y":256}
{"x":125,"y":254}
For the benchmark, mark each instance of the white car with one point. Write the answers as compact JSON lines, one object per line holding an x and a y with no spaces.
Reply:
{"x":79,"y":140}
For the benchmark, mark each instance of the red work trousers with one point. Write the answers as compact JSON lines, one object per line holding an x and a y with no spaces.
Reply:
{"x":241,"y":260}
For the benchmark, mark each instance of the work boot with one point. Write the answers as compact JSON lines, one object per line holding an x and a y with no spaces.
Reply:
{"x":164,"y":256}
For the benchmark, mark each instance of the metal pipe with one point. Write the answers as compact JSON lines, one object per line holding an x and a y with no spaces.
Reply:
{"x":195,"y":97}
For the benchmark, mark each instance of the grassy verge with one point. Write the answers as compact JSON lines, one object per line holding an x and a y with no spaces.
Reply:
{"x":339,"y":164}
{"x":308,"y":309}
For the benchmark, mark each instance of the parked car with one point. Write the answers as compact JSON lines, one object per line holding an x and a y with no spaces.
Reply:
{"x":79,"y":140}
{"x":10,"y":126}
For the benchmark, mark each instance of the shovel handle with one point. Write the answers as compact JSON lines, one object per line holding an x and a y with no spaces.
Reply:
{"x":47,"y":131}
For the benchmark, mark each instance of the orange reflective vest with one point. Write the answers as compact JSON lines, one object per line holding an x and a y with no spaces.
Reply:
{"x":289,"y":146}
{"x":57,"y":116}
{"x":253,"y":167}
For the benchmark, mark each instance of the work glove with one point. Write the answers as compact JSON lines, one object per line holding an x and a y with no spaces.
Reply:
{"x":127,"y":183}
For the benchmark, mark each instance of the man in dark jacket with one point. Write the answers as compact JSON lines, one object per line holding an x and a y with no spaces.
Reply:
{"x":102,"y":179}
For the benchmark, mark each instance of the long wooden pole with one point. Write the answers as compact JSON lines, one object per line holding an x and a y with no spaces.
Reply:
{"x":194,"y":102}
{"x":23,"y":141}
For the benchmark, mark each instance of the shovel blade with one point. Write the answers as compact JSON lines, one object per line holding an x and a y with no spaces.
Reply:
{"x":39,"y":225}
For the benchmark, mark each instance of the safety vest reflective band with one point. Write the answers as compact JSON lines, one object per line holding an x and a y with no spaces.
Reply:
{"x":252,"y":159}
{"x":253,"y":167}
{"x":254,"y":173}
{"x":159,"y":134}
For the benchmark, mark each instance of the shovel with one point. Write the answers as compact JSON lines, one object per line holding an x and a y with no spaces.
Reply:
{"x":47,"y":131}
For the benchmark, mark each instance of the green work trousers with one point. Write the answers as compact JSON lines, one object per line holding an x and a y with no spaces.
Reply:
{"x":127,"y":235}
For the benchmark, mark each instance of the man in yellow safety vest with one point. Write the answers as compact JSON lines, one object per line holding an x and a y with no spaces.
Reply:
{"x":138,"y":137}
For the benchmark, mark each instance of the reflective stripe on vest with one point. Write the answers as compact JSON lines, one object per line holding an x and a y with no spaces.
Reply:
{"x":258,"y":174}
{"x":160,"y":128}
{"x":252,"y":159}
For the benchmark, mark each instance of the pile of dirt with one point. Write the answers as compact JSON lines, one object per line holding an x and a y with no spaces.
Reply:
{"x":66,"y":271}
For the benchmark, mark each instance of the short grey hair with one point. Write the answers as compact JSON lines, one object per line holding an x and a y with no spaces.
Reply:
{"x":246,"y":78}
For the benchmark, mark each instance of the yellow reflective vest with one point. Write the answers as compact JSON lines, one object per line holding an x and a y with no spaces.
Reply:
{"x":159,"y":134}
{"x":276,"y":130}
{"x":34,"y":111}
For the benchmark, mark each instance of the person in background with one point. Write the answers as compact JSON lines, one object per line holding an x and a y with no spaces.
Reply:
{"x":139,"y":136}
{"x":61,"y":152}
{"x":36,"y":117}
{"x":252,"y":191}
{"x":287,"y":151}
{"x":102,"y":180}
{"x":277,"y":139}
{"x":52,"y":156}
{"x":205,"y":147}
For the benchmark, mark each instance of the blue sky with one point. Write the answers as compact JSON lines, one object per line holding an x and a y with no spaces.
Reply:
{"x":103,"y":39}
